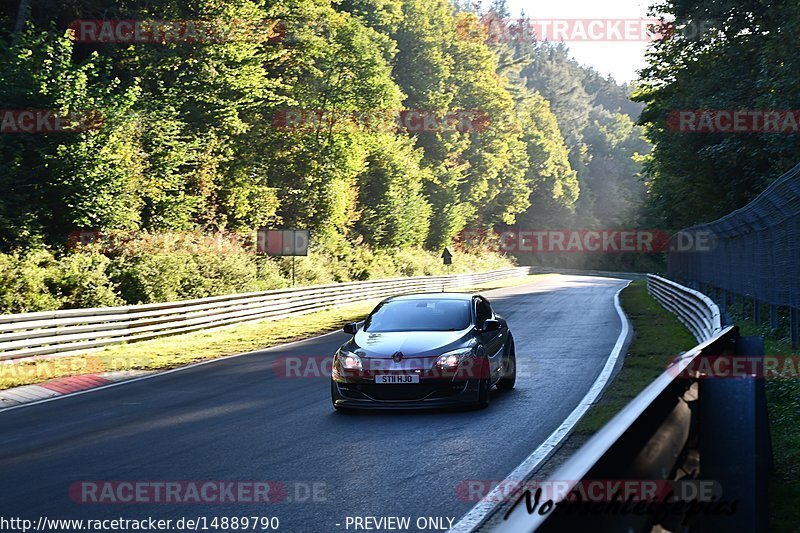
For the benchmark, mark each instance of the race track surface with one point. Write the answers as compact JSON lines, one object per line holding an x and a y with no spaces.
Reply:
{"x":242,"y":419}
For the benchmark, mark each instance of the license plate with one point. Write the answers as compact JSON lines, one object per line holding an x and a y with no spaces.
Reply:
{"x":394,"y":379}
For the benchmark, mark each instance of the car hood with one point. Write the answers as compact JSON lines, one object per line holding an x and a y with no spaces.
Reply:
{"x":411,"y":343}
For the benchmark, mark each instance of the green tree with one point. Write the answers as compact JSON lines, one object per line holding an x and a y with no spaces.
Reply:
{"x":722,"y":55}
{"x":59,"y":181}
{"x":394,"y":213}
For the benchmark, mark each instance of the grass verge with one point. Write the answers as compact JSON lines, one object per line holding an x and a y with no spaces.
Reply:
{"x":657,"y":338}
{"x":178,"y":350}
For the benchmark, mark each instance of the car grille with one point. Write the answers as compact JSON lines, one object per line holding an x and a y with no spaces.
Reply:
{"x":403,"y":392}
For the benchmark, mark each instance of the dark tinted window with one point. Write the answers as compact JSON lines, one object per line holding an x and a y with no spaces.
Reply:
{"x":483,"y":312}
{"x":420,"y":315}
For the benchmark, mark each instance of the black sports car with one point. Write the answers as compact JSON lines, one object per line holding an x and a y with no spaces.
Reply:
{"x":424,"y":350}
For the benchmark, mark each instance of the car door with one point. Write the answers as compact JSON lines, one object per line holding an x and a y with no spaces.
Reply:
{"x":492,"y":340}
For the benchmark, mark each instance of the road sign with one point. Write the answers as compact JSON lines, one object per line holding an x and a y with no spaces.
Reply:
{"x":447,"y":256}
{"x":282,"y":242}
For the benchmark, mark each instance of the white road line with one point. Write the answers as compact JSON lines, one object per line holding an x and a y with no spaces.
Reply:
{"x":471,"y":521}
{"x":164,"y":373}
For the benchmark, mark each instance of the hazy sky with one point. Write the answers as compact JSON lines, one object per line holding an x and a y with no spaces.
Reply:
{"x":621,"y":59}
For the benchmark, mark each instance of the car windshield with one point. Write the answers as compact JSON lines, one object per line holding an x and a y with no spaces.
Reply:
{"x":419,"y":315}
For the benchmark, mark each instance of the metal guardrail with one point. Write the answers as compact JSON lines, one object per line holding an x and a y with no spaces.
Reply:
{"x":679,"y":428}
{"x":76,"y":330}
{"x":694,"y":309}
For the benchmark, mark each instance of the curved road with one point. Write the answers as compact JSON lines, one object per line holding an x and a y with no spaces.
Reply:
{"x":239,"y":419}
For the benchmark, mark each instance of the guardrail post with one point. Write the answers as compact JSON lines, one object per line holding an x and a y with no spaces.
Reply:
{"x":734,"y":444}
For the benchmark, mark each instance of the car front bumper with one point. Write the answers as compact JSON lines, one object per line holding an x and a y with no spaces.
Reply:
{"x":428,"y":394}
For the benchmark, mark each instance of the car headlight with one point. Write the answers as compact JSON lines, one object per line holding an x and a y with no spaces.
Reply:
{"x":452,"y":359}
{"x":349,"y":360}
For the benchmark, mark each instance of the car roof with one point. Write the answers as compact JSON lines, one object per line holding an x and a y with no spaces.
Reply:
{"x":433,"y":296}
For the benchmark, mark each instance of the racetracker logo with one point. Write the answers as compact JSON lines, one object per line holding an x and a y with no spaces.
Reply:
{"x":48,"y":121}
{"x":738,"y":366}
{"x":45,"y":369}
{"x":734,"y":121}
{"x":177,"y":31}
{"x":587,"y":241}
{"x":173,"y":242}
{"x":302,"y":367}
{"x":380,"y":121}
{"x":196,"y":492}
{"x":42,"y":368}
{"x":595,"y":490}
{"x":494,"y":29}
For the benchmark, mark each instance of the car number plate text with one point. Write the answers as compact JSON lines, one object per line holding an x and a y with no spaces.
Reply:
{"x":393,"y":379}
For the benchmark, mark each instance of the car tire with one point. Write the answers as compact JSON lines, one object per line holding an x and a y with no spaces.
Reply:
{"x":509,"y":378}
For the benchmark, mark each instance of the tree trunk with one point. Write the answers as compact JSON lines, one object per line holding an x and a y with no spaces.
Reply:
{"x":21,"y":12}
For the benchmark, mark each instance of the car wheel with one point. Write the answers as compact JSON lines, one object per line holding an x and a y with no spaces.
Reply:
{"x":509,"y":378}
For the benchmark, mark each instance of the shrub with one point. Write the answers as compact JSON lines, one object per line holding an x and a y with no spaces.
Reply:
{"x":220,"y":273}
{"x":24,"y":282}
{"x":150,"y":268}
{"x":157,"y":269}
{"x":152,"y":277}
{"x":268,"y":274}
{"x":81,"y":280}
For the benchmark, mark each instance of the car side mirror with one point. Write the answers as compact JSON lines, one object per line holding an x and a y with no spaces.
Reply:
{"x":351,"y":328}
{"x":490,"y":325}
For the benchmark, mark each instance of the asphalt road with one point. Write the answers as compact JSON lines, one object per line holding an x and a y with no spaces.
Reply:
{"x":242,"y":419}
